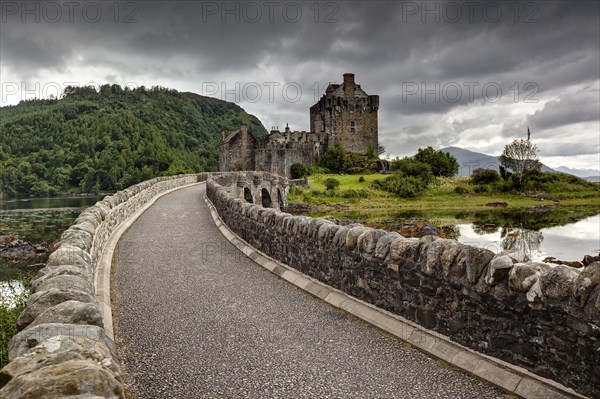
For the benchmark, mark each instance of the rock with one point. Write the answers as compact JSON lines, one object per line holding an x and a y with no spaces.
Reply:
{"x":352,"y":237}
{"x":49,"y":272}
{"x":56,"y":350}
{"x":476,"y":261}
{"x":39,"y":301}
{"x":535,"y":292}
{"x":22,"y":343}
{"x":499,"y":269}
{"x":327,"y":232}
{"x":73,"y":377}
{"x":516,"y":255}
{"x":368,"y":241}
{"x":84,"y":225}
{"x":497,"y":204}
{"x":77,"y":238}
{"x":588,"y":259}
{"x":584,"y":284}
{"x":558,"y":282}
{"x":339,"y":240}
{"x":433,"y":252}
{"x":71,"y":312}
{"x":66,"y":282}
{"x":382,"y":249}
{"x":402,"y":248}
{"x":448,"y":256}
{"x":523,"y":275}
{"x":429,"y":229}
{"x":70,"y":255}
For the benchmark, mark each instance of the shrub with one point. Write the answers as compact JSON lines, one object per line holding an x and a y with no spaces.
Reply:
{"x":484,"y":176}
{"x":460,"y":190}
{"x":361,"y":179}
{"x":480,"y":189}
{"x":331,"y":183}
{"x":299,"y":170}
{"x":414,"y":168}
{"x":350,"y":193}
{"x":404,"y":186}
{"x":376,"y":184}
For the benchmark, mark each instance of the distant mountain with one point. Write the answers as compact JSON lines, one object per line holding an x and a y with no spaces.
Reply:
{"x":468,"y":161}
{"x":588,"y":174}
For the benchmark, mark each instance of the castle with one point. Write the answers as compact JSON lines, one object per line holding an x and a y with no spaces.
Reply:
{"x":344,"y":115}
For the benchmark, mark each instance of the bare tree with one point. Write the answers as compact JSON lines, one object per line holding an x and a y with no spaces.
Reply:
{"x":521,"y":156}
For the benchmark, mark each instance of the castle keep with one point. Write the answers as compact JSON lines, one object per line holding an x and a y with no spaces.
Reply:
{"x":345,"y":115}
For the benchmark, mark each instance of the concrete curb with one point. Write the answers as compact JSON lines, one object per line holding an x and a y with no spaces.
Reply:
{"x":504,"y":375}
{"x":103,"y":271}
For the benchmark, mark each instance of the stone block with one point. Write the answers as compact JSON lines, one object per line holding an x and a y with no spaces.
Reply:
{"x":558,"y":282}
{"x":585,"y":282}
{"x":382,"y":249}
{"x":40,"y":301}
{"x":70,"y":312}
{"x":22,"y":343}
{"x":352,"y":236}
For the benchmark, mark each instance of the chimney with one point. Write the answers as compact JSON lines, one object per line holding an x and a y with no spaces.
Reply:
{"x":349,"y":85}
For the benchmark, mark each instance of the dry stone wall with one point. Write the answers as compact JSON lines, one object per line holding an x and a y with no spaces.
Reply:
{"x":62,"y":349}
{"x":543,"y":318}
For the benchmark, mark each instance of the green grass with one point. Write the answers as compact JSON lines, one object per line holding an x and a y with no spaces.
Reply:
{"x":439,"y":204}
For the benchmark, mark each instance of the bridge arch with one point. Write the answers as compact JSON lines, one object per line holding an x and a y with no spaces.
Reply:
{"x":266,"y":198}
{"x":248,"y":195}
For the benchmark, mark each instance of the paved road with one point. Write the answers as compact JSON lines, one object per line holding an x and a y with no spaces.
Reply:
{"x":196,"y":319}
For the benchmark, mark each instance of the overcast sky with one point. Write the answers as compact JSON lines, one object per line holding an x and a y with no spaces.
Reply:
{"x":472,"y":74}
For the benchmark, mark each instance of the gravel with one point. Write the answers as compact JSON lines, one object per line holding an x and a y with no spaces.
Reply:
{"x":195,"y":318}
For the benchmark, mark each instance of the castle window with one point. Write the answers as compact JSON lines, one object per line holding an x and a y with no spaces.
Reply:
{"x":352,"y":124}
{"x":352,"y":130}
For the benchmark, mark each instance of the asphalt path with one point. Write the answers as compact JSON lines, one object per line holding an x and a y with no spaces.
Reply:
{"x":195,"y":318}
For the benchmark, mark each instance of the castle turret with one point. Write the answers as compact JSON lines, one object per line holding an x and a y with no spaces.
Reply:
{"x":349,"y":85}
{"x":347,"y":115}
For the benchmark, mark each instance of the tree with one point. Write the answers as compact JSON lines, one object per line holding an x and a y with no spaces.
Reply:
{"x":334,"y":159}
{"x":380,"y":148}
{"x":299,"y":171}
{"x":521,"y":156}
{"x":442,"y":163}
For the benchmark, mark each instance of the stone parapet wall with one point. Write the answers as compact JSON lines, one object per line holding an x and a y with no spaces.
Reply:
{"x":62,"y":348}
{"x":540,"y":317}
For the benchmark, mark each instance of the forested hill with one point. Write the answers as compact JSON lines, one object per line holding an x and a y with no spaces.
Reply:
{"x":90,"y":141}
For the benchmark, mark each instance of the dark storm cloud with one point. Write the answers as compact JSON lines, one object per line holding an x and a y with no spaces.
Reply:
{"x":580,"y":106}
{"x":394,"y":47}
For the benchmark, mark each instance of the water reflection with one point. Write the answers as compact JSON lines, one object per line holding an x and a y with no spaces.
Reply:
{"x":11,"y":293}
{"x":570,"y":242}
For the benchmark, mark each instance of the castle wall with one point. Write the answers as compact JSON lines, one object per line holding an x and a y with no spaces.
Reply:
{"x":237,"y":153}
{"x":277,"y":152}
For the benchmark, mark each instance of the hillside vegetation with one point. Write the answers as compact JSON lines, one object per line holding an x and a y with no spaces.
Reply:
{"x":91,"y":141}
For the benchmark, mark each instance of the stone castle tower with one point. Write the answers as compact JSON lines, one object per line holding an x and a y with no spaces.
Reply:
{"x":348,"y":115}
{"x":344,"y":115}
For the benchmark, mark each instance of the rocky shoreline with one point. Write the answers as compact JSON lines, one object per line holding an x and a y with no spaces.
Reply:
{"x":13,"y":248}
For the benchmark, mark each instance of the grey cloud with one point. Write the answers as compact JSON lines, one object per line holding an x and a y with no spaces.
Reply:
{"x":381,"y":41}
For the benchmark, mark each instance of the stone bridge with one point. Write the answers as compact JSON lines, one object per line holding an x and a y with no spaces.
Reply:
{"x":160,"y":288}
{"x":262,"y":188}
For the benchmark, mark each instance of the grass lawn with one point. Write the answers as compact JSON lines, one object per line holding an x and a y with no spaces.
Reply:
{"x":439,"y":200}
